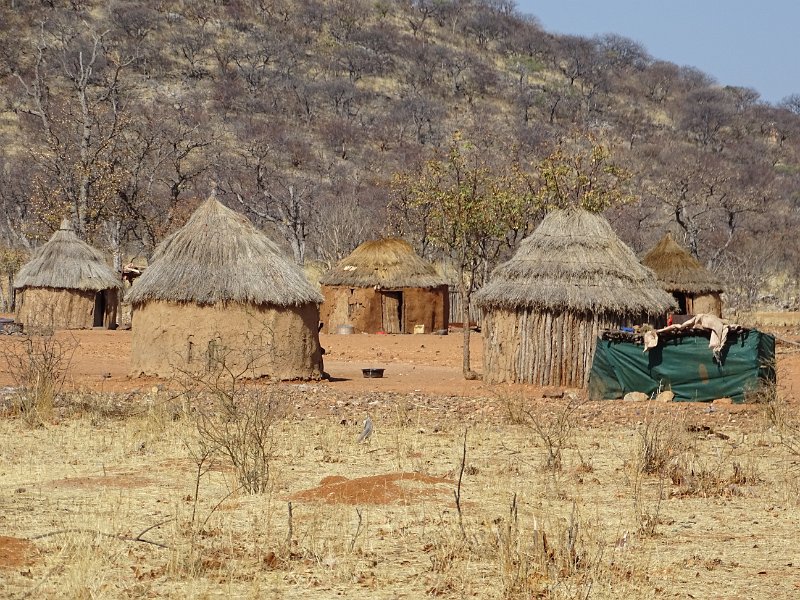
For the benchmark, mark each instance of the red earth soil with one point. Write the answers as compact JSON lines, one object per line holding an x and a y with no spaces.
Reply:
{"x":377,"y":489}
{"x":15,"y":552}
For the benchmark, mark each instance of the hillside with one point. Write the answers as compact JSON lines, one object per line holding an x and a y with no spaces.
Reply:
{"x":301,"y":111}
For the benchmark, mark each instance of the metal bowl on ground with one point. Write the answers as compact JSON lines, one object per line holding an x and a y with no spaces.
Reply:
{"x":373,"y":373}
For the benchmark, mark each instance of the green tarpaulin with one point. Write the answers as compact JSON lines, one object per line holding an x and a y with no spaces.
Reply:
{"x":684,"y":364}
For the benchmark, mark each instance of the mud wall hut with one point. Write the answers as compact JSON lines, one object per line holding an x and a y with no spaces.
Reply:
{"x":66,"y":285}
{"x":383,"y":285}
{"x":544,"y":309}
{"x":695,"y":289}
{"x":220,"y":291}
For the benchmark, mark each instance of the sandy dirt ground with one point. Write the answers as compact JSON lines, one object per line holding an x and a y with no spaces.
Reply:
{"x":453,"y":496}
{"x":429,"y":364}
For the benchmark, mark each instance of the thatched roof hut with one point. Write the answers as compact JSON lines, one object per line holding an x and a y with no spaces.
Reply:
{"x":695,"y":288}
{"x":383,"y":285}
{"x":544,"y":308}
{"x":67,"y":284}
{"x":219,"y":289}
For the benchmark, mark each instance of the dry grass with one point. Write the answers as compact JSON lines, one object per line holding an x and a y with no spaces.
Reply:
{"x":39,"y":367}
{"x":95,"y":482}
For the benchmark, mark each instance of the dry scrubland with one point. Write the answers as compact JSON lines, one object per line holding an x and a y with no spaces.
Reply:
{"x":135,"y":493}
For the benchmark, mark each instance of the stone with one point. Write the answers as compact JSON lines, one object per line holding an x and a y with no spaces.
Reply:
{"x":665,"y":396}
{"x":636,"y":397}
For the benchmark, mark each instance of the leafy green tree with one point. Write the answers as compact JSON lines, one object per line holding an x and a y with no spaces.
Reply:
{"x":468,"y":210}
{"x":583,"y":175}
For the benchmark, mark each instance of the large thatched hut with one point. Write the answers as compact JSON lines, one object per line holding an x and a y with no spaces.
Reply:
{"x":696,"y":289}
{"x":219,"y":290}
{"x":67,"y":285}
{"x":383,"y":285}
{"x":544,"y":309}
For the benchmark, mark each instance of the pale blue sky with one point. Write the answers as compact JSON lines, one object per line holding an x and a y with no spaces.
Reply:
{"x":748,"y":43}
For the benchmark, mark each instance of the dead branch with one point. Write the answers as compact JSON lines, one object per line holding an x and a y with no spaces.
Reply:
{"x":116,"y":536}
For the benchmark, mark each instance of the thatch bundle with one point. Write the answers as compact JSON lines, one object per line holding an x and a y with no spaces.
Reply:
{"x":544,"y":308}
{"x":218,"y":291}
{"x":679,"y":271}
{"x":389,"y":263}
{"x":314,"y":270}
{"x":574,"y":261}
{"x":67,"y":262}
{"x":219,"y":256}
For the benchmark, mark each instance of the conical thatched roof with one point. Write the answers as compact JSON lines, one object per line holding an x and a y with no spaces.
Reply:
{"x":219,"y":256}
{"x":679,"y":271}
{"x":574,"y":261}
{"x":67,"y":262}
{"x":388,"y":263}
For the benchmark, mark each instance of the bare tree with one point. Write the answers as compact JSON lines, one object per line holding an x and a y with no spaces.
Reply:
{"x":704,"y":113}
{"x":342,"y":225}
{"x":165,"y":154}
{"x":791,"y":103}
{"x":274,"y":190}
{"x":619,"y":52}
{"x":79,"y":132}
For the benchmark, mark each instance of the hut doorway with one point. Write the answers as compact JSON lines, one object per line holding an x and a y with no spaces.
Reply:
{"x":392,"y":307}
{"x":99,"y":309}
{"x":683,"y":304}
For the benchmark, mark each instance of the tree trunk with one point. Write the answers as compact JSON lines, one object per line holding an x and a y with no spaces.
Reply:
{"x":466,"y":297}
{"x":462,"y":291}
{"x":82,"y":207}
{"x":12,"y":294}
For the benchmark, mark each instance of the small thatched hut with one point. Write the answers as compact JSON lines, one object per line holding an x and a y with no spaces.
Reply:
{"x":544,"y":309}
{"x":384,"y":285}
{"x":219,"y":290}
{"x":67,"y":285}
{"x":695,"y":288}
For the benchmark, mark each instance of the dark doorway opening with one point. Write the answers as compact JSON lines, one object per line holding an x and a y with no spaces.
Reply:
{"x":681,"y":300}
{"x":99,"y":309}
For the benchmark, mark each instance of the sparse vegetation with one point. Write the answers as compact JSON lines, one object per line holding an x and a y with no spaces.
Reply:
{"x":233,"y":420}
{"x":513,"y":539}
{"x":39,"y":366}
{"x":122,"y":114}
{"x":553,"y":424}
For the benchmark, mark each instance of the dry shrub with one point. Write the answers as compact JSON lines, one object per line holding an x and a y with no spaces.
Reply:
{"x":240,"y":427}
{"x":661,"y":440}
{"x":555,"y":561}
{"x":448,"y":551}
{"x":560,"y":556}
{"x":669,"y":461}
{"x":39,"y":366}
{"x":705,"y":474}
{"x":783,"y":418}
{"x":235,"y":421}
{"x":554,"y":425}
{"x":514,"y":405}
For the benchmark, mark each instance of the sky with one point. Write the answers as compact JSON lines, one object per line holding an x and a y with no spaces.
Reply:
{"x":745,"y":43}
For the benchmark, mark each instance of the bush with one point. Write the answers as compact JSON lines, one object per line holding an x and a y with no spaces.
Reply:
{"x":39,"y":367}
{"x":235,"y":421}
